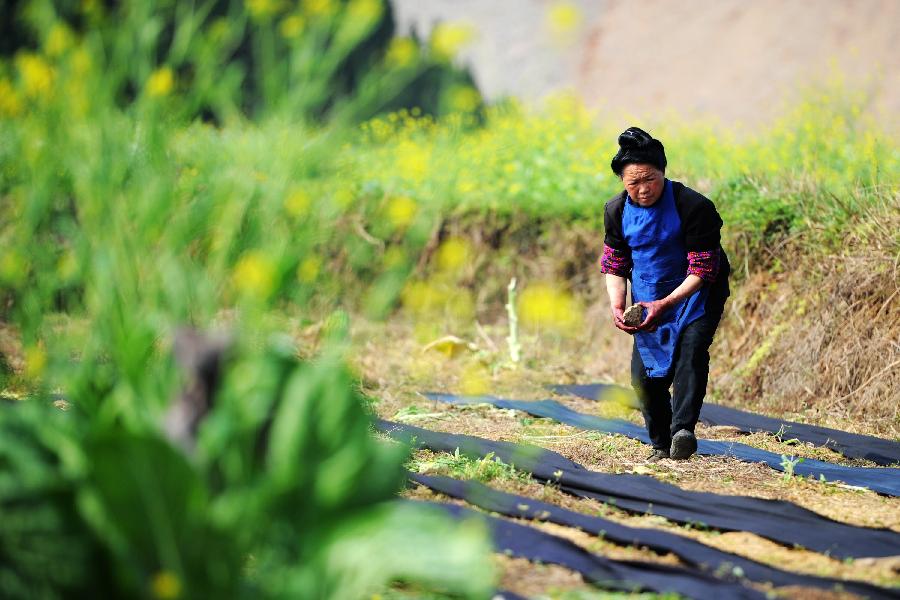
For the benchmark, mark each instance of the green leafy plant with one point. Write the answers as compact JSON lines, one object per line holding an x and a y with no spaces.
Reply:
{"x":788,"y":463}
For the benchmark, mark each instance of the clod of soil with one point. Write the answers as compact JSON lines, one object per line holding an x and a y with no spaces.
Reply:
{"x":633,"y":315}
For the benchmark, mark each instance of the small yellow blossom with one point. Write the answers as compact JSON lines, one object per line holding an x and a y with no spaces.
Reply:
{"x":343,"y":198}
{"x":453,"y":254}
{"x":59,"y":40}
{"x":318,"y":8}
{"x":438,"y":299}
{"x":449,"y":38}
{"x":35,"y":361}
{"x":401,"y":211}
{"x":160,"y":83}
{"x":297,"y":203}
{"x":544,"y":305}
{"x":401,"y":52}
{"x":262,"y":9}
{"x":166,"y":585}
{"x":309,"y":269}
{"x":466,"y":186}
{"x":81,"y":61}
{"x":36,"y":73}
{"x":364,"y":11}
{"x":220,"y":30}
{"x":563,"y":18}
{"x":67,"y":266}
{"x":13,"y":268}
{"x":254,"y":275}
{"x":475,"y":380}
{"x":10,"y":103}
{"x":413,"y":160}
{"x":292,"y":27}
{"x":464,"y":98}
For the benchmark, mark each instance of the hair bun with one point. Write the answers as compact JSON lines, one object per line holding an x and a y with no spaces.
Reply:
{"x":638,"y":146}
{"x":634,"y":137}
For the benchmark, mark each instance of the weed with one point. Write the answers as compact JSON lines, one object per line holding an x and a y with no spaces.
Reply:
{"x":460,"y":466}
{"x":788,"y":463}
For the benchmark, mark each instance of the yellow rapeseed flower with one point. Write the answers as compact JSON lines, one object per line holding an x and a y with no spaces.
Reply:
{"x":10,"y":103}
{"x":262,"y":9}
{"x":343,"y":198}
{"x":563,"y":18}
{"x":401,"y":52}
{"x":13,"y":268}
{"x":453,"y":254}
{"x":36,"y":73}
{"x":160,"y":82}
{"x":449,"y":38}
{"x":166,"y":585}
{"x":464,"y":98}
{"x":401,"y":211}
{"x":475,"y":380}
{"x":466,"y":186}
{"x":220,"y":30}
{"x":35,"y":361}
{"x":318,"y":8}
{"x":364,"y":11}
{"x":412,"y":160}
{"x":545,"y":305}
{"x":67,"y":266}
{"x":297,"y":203}
{"x":254,"y":275}
{"x":59,"y":40}
{"x":81,"y":61}
{"x":309,"y":269}
{"x":292,"y":27}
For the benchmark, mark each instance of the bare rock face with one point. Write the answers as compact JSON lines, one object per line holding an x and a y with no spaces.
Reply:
{"x":633,"y":315}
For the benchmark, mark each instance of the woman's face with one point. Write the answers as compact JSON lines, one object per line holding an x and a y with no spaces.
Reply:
{"x":644,"y":183}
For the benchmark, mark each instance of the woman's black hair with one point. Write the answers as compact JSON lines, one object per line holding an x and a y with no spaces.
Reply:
{"x":638,"y":146}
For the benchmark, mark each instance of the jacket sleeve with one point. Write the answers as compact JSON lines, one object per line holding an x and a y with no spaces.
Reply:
{"x":612,"y":223}
{"x":701,"y":223}
{"x":616,"y":256}
{"x":615,"y":262}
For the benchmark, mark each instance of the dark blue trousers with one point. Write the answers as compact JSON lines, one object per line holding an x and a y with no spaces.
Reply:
{"x":666,"y":413}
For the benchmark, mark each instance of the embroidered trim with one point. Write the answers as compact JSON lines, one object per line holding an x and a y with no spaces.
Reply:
{"x":704,"y":265}
{"x":615,"y":262}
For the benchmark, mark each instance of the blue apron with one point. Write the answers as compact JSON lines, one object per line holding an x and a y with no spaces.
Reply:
{"x":656,"y":240}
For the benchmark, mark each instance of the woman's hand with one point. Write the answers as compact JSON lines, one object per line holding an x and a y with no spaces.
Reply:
{"x":655,"y":310}
{"x":615,"y":286}
{"x":618,"y":314}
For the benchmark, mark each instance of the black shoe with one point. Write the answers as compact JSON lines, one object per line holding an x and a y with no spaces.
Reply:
{"x":684,"y":443}
{"x":658,"y":454}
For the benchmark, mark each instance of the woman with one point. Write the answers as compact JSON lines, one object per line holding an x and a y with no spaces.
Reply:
{"x":664,"y":238}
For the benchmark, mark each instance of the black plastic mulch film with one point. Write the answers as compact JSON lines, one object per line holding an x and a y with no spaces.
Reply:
{"x":776,"y":520}
{"x":695,"y":555}
{"x":623,"y":575}
{"x":852,"y":445}
{"x":878,"y":479}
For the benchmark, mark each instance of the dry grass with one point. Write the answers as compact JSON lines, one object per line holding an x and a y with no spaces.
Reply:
{"x":820,"y":341}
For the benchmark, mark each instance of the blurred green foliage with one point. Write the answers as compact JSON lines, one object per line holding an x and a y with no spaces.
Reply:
{"x":157,"y":165}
